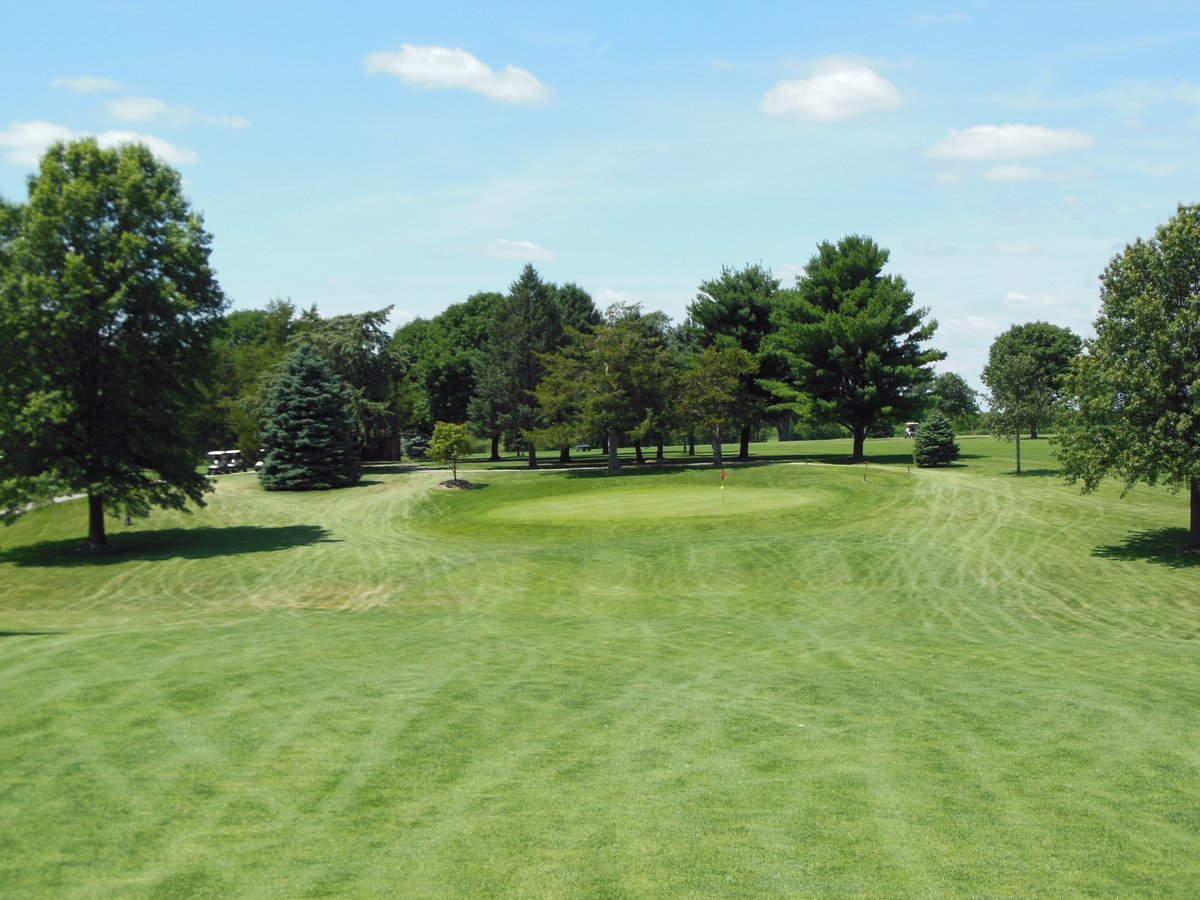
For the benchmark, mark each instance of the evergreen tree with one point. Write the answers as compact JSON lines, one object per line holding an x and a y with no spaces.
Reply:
{"x":934,"y":444}
{"x":309,"y":430}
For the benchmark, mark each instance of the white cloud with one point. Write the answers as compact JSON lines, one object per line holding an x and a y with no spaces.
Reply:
{"x":788,"y":273}
{"x":1001,"y":142}
{"x":1016,"y":248}
{"x":86,"y":84}
{"x":839,"y":89}
{"x":522,"y":250}
{"x":25,"y":142}
{"x":447,"y":67}
{"x":971,"y":325}
{"x":608,"y":296}
{"x":150,"y":109}
{"x":1010,"y":172}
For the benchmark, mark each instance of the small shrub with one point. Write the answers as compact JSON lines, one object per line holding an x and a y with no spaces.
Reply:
{"x":934,"y":444}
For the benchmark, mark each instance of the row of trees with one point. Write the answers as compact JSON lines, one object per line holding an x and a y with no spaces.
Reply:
{"x":118,"y":365}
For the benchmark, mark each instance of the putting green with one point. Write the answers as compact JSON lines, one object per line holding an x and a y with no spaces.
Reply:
{"x":652,"y":504}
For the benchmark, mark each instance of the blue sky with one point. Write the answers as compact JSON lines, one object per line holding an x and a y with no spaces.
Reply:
{"x":358,"y":155}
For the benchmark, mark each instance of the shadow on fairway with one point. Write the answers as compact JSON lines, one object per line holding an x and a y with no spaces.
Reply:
{"x":4,"y":634}
{"x":1167,"y":546}
{"x":169,"y":543}
{"x":1033,"y":473}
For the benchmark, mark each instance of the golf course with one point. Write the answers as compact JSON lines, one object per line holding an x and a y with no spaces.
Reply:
{"x":810,"y":678}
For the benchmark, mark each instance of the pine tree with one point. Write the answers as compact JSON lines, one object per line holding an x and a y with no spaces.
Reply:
{"x":309,"y":432}
{"x":934,"y":444}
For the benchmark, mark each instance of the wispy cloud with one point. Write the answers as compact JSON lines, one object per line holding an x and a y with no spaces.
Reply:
{"x":453,"y":67}
{"x":839,"y":89}
{"x":25,"y":142}
{"x":151,"y":109}
{"x":528,"y":251}
{"x":1004,"y":142}
{"x":1044,"y":300}
{"x":86,"y":84}
{"x":1013,"y":172}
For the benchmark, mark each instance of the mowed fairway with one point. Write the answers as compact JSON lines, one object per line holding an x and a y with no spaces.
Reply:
{"x":824,"y":680}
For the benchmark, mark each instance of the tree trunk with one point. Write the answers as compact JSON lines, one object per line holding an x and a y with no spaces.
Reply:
{"x":564,"y":456}
{"x":1033,"y":432}
{"x":660,"y":452}
{"x":1194,"y":531}
{"x":614,"y":463}
{"x":691,"y":443}
{"x":495,"y":448}
{"x":1018,"y":451}
{"x":637,"y":452}
{"x":532,"y":455}
{"x":744,"y":443}
{"x":97,"y":539}
{"x":784,"y":426}
{"x":860,"y":438}
{"x":718,"y":458}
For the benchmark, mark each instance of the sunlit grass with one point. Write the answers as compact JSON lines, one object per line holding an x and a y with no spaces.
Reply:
{"x":824,"y":679}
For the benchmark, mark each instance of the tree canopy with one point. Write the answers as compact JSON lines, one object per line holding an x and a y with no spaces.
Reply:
{"x":735,"y":310}
{"x":853,"y":340}
{"x":1135,"y":395}
{"x":958,"y":401}
{"x":1050,"y":349}
{"x":107,"y":309}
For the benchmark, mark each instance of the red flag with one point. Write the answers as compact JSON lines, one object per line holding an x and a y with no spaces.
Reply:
{"x":722,"y":474}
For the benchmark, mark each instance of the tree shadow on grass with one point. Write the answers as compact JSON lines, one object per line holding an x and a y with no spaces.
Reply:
{"x":1033,"y":473}
{"x":1167,"y":546}
{"x":4,"y":634}
{"x":169,"y":543}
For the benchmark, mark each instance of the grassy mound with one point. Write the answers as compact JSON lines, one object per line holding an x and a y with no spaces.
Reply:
{"x":897,"y":682}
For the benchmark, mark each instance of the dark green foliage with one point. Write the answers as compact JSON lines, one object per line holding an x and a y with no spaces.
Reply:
{"x":852,"y":340}
{"x":952,"y":395}
{"x":309,"y":430}
{"x":735,"y":310}
{"x":107,"y":310}
{"x":526,"y":326}
{"x":934,"y":443}
{"x":1135,"y":396}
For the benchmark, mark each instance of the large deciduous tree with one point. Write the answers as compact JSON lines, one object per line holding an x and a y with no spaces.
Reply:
{"x":309,"y":429}
{"x":1050,"y":349}
{"x":735,"y":310}
{"x":954,"y":398}
{"x":1134,"y":397}
{"x":853,"y":339}
{"x":107,"y":309}
{"x":713,"y":391}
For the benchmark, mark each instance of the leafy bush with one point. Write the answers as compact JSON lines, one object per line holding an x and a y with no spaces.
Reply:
{"x":934,"y":444}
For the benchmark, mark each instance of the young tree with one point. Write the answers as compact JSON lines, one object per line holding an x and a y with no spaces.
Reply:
{"x":309,"y":430}
{"x":853,"y":339}
{"x":449,"y":444}
{"x":934,"y":444}
{"x":1050,"y":348}
{"x":735,"y":310}
{"x":107,"y":309}
{"x":1135,"y":396}
{"x":1017,"y":397}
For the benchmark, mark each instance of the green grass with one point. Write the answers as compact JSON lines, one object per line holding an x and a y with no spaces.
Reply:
{"x":827,"y":680}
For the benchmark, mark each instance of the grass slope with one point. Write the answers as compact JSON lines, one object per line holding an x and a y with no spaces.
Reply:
{"x":832,"y":680}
